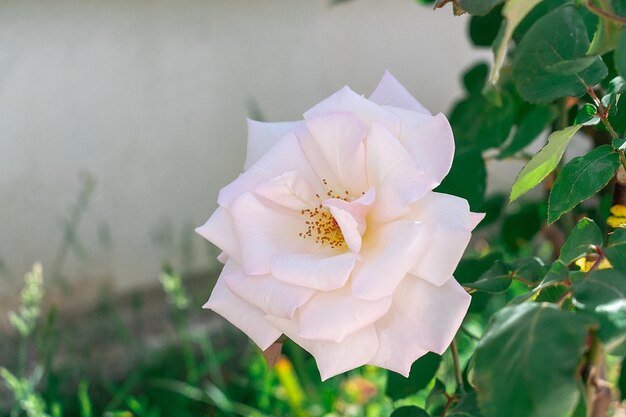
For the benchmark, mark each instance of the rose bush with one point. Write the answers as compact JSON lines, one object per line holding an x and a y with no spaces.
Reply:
{"x":333,"y":236}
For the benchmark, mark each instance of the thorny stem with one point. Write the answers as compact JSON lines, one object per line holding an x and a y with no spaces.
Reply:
{"x":522,"y":280}
{"x":603,"y":113}
{"x":603,"y":13}
{"x":598,"y":261}
{"x":457,"y":365}
{"x":449,"y":400}
{"x":599,"y":394}
{"x":563,"y":297}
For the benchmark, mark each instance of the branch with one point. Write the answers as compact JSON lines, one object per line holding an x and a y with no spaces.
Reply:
{"x":603,"y":13}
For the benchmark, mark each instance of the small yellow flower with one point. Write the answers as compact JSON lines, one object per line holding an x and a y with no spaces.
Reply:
{"x":616,"y":222}
{"x":585,"y":264}
{"x":618,"y":210}
{"x":618,"y":218}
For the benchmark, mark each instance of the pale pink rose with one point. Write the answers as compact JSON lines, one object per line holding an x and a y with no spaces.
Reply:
{"x":333,"y":236}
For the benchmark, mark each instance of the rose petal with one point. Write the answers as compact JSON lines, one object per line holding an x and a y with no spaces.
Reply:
{"x":289,"y":190}
{"x":350,"y":216}
{"x":334,"y":358}
{"x":333,"y":315}
{"x":346,"y":100}
{"x":339,"y":136}
{"x":285,"y":156}
{"x":390,"y":253}
{"x":429,"y":139}
{"x":389,"y":91}
{"x":423,"y":317}
{"x":475,"y":219}
{"x":267,"y":293}
{"x":313,"y":271}
{"x":393,"y":172}
{"x":262,"y":136}
{"x":448,"y":224}
{"x":242,"y":315}
{"x":220,"y":231}
{"x":263,"y":232}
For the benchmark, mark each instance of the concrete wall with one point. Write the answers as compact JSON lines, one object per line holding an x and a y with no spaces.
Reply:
{"x":149,"y":99}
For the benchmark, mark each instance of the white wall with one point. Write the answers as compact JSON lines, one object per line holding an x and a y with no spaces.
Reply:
{"x":150,"y":97}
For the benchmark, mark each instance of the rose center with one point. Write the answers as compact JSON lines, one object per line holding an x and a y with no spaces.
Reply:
{"x":322,"y":227}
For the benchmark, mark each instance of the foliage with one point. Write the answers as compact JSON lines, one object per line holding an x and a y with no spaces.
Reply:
{"x":546,"y":329}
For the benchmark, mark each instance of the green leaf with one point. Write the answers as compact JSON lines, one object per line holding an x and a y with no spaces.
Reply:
{"x":516,"y":375}
{"x":602,"y":294}
{"x":478,"y":7}
{"x":619,"y":144}
{"x":422,"y":372}
{"x":529,"y":128}
{"x":618,"y":237}
{"x":530,"y":270}
{"x":558,"y":272}
{"x":543,"y":163}
{"x":580,"y":179}
{"x":467,"y":178}
{"x":484,"y":121}
{"x":470,"y":269}
{"x":616,"y":250}
{"x":551,"y":60}
{"x":409,"y":411}
{"x":579,"y":242}
{"x":496,"y":280}
{"x":484,"y":29}
{"x":474,"y":78}
{"x":617,"y":85}
{"x":514,"y":12}
{"x":609,"y":101}
{"x":620,"y":55}
{"x":587,"y":115}
{"x":607,"y":32}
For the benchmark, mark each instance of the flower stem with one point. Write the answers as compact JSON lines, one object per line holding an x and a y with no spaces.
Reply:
{"x":457,"y":365}
{"x":603,"y":13}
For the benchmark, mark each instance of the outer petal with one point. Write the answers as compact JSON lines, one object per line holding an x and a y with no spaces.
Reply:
{"x":395,"y":175}
{"x":334,"y":358}
{"x":314,"y":271}
{"x":334,"y":315}
{"x":393,"y":250}
{"x":448,"y":223}
{"x":339,"y":136}
{"x":475,"y":219}
{"x":429,"y":140}
{"x":264,"y":232}
{"x":262,"y":136}
{"x":220,"y":231}
{"x":391,"y":92}
{"x":267,"y":293}
{"x":246,"y":317}
{"x":423,"y":318}
{"x":285,"y":156}
{"x":346,"y":100}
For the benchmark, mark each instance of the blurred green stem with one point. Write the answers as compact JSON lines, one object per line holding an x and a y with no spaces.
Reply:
{"x":22,"y":350}
{"x":458,"y":375}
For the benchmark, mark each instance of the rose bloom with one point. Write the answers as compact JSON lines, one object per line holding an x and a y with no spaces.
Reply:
{"x":333,"y":236}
